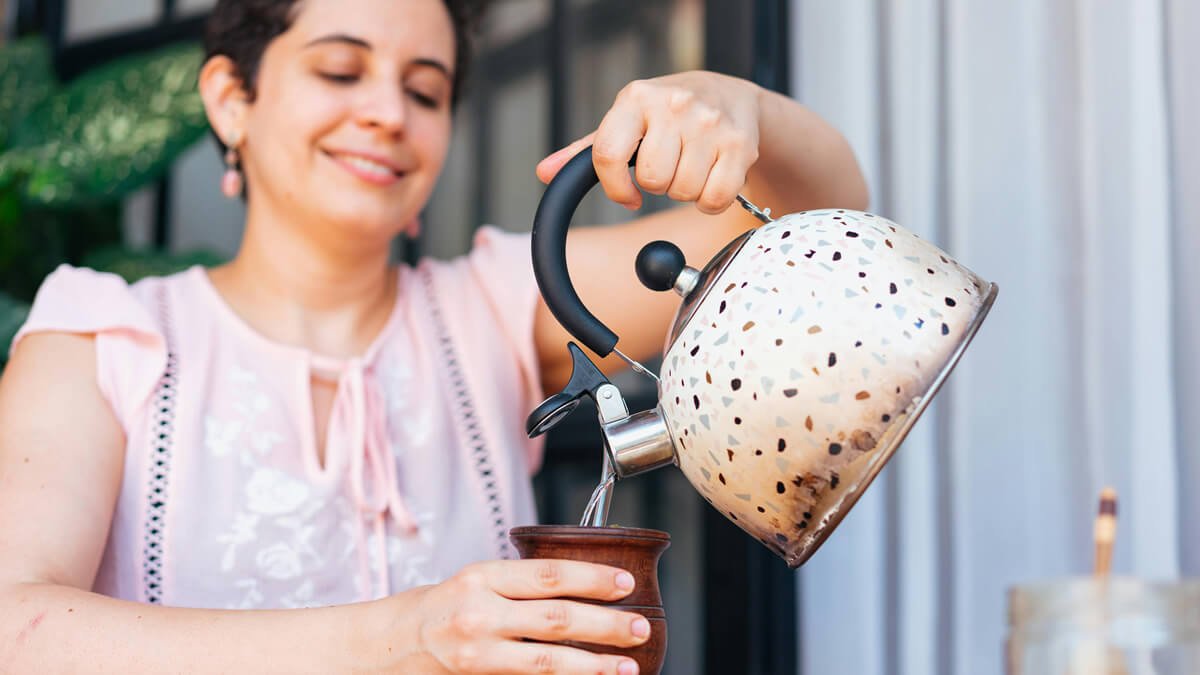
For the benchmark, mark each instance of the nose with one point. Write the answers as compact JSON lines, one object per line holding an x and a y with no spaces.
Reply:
{"x":385,"y":109}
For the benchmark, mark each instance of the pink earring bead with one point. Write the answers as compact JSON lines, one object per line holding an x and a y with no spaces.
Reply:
{"x":231,"y":183}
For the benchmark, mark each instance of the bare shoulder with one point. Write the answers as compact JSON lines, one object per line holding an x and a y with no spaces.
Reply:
{"x":61,"y":456}
{"x":51,"y":375}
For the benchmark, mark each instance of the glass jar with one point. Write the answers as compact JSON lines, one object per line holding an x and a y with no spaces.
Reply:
{"x":1104,"y":626}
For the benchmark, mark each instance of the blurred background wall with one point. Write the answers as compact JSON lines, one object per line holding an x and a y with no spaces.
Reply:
{"x":1048,"y":144}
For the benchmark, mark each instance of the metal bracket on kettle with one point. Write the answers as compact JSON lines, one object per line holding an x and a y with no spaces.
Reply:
{"x":633,"y":443}
{"x":762,"y":214}
{"x":586,"y":380}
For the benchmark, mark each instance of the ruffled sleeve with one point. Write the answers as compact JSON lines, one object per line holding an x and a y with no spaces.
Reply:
{"x":131,"y":353}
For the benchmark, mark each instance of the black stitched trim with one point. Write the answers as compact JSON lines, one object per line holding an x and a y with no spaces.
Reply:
{"x":470,"y":421}
{"x":162,"y":432}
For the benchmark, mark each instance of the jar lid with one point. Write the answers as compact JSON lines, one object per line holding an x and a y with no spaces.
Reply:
{"x":1096,"y":602}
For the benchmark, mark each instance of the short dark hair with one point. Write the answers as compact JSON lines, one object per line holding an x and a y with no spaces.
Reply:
{"x":242,"y":29}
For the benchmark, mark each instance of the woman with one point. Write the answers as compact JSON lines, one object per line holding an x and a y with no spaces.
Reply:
{"x":314,"y":434}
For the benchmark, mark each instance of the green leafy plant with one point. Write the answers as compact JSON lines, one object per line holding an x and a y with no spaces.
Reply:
{"x":70,"y":153}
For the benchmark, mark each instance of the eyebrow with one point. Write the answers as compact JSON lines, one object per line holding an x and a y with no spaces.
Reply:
{"x":342,"y":38}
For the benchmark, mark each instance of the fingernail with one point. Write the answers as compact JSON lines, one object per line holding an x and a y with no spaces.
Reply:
{"x":641,"y":627}
{"x":625,"y":581}
{"x":628,"y":668}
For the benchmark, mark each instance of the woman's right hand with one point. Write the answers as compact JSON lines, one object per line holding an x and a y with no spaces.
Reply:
{"x":480,"y":620}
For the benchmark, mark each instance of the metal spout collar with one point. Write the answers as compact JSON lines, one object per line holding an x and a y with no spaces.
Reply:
{"x":639,"y":443}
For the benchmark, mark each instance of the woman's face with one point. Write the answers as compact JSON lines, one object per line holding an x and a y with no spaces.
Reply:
{"x":351,"y":119}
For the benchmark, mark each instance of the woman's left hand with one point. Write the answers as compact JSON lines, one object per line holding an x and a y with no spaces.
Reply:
{"x":698,"y":134}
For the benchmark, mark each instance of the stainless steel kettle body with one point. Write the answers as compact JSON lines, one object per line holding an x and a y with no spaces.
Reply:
{"x":800,"y":358}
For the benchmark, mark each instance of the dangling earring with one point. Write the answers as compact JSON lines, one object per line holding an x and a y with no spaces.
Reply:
{"x":232,"y":182}
{"x":413,"y":229}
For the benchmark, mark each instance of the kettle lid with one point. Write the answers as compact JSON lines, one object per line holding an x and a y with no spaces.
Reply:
{"x":705,"y":281}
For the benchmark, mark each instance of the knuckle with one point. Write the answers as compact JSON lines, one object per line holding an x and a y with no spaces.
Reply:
{"x":558,"y":618}
{"x":471,"y":578}
{"x":615,"y":195}
{"x":742,"y":143}
{"x":739,"y":139}
{"x":469,"y":622}
{"x":621,"y":623}
{"x":549,"y":574}
{"x":708,"y":117}
{"x":544,"y":661}
{"x":604,"y":151}
{"x":653,"y":183}
{"x":637,"y":89}
{"x":716,"y":199}
{"x":679,"y":100}
{"x":466,"y":658}
{"x":682,"y":193}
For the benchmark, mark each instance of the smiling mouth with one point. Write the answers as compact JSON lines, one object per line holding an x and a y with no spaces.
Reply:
{"x":365,"y":168}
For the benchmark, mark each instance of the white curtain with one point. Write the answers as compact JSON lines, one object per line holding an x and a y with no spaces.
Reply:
{"x":1052,"y":146}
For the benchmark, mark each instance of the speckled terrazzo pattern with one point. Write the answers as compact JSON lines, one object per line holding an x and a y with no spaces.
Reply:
{"x":802,"y":365}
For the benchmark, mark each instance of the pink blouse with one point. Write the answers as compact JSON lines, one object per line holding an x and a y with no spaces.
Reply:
{"x":224,"y":502}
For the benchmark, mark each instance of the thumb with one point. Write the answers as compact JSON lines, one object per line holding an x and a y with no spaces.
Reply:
{"x":549,"y":167}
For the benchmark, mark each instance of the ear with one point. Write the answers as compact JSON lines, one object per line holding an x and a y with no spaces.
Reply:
{"x":225,"y":99}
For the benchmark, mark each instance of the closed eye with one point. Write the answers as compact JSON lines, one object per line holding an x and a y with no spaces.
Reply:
{"x":340,"y":78}
{"x":424,"y":100}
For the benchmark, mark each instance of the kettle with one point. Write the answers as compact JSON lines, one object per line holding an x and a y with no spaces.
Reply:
{"x":799,"y":359}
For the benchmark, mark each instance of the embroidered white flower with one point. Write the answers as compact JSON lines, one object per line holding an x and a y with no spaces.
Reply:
{"x":301,"y":597}
{"x":220,"y":436}
{"x":279,"y":562}
{"x":410,"y":418}
{"x":302,"y":531}
{"x":424,"y":520}
{"x":243,"y":531}
{"x":393,"y":549}
{"x":260,"y":403}
{"x":417,"y":571}
{"x":253,"y":598}
{"x":242,"y":376}
{"x":264,"y":441}
{"x":251,"y":401}
{"x":409,"y":558}
{"x":287,"y":539}
{"x":395,"y":378}
{"x":252,"y":404}
{"x":271,"y":492}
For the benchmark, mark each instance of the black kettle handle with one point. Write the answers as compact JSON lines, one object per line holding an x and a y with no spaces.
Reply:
{"x":550,"y":224}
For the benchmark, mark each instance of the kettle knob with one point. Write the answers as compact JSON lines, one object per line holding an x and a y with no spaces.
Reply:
{"x":658,"y":265}
{"x":661,"y":266}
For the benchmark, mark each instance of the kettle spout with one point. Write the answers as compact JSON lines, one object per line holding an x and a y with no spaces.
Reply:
{"x":639,"y":443}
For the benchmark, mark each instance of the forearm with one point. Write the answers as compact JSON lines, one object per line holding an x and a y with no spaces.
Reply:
{"x":47,"y":628}
{"x":804,"y":163}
